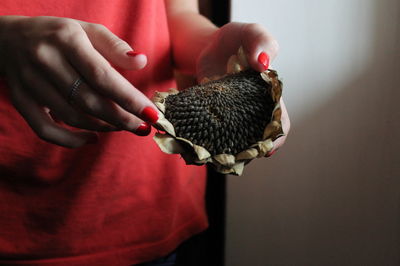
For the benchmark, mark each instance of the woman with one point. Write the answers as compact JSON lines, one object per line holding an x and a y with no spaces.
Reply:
{"x":77,"y":187}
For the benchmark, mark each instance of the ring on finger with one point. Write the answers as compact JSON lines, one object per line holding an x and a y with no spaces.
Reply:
{"x":73,"y":90}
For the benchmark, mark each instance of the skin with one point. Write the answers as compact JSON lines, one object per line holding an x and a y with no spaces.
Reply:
{"x":42,"y":56}
{"x":202,"y":49}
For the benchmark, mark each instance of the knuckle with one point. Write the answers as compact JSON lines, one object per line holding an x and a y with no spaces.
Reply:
{"x":67,"y":25}
{"x":261,"y":33}
{"x":98,"y":27}
{"x":37,"y":53}
{"x":112,"y":41}
{"x":274,"y":46}
{"x":254,"y":27}
{"x":116,"y":43}
{"x":128,"y":104}
{"x":99,"y":74}
{"x":91,"y":104}
{"x":66,"y":30}
{"x":256,"y":30}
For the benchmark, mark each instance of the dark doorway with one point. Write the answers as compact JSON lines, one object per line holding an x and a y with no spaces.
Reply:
{"x":207,"y":248}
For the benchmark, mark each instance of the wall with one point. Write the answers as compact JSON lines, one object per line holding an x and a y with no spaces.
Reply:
{"x":331,"y":196}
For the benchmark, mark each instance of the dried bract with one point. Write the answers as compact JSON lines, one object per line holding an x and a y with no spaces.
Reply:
{"x":225,"y":122}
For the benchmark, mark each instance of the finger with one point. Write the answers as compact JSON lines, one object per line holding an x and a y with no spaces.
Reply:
{"x":86,"y":99}
{"x":105,"y":79}
{"x":285,"y":127}
{"x":115,"y":50}
{"x":41,"y":123}
{"x":285,"y":117}
{"x":47,"y":95}
{"x":259,"y":45}
{"x":278,"y":143}
{"x":97,"y":106}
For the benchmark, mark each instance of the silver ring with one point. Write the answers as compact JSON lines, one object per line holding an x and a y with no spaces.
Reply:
{"x":73,"y":90}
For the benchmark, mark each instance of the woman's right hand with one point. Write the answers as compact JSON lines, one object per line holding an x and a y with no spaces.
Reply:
{"x":42,"y":57}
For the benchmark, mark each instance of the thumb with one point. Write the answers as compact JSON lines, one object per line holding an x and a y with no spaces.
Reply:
{"x":259,"y":46}
{"x":115,"y":50}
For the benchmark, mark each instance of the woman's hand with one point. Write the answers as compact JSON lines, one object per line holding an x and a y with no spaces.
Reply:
{"x":259,"y":46}
{"x":42,"y":57}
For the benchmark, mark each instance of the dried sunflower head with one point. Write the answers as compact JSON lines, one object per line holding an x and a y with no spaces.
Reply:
{"x":226,"y":122}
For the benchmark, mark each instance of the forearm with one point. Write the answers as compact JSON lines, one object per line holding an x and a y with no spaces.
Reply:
{"x":190,"y":33}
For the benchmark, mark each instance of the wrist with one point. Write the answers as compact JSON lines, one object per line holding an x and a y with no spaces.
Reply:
{"x":190,"y":33}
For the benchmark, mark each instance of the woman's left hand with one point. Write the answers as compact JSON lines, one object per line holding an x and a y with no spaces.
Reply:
{"x":260,"y":48}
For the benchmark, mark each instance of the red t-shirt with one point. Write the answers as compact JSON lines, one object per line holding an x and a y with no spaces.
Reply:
{"x":118,"y":202}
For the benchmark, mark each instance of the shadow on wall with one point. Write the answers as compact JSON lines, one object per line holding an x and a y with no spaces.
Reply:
{"x":333,"y":199}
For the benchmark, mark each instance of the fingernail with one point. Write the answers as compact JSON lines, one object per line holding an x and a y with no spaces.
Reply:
{"x":54,"y":117}
{"x":92,"y":139}
{"x":143,"y":129}
{"x":150,"y":115}
{"x":132,"y":53}
{"x":263,"y":59}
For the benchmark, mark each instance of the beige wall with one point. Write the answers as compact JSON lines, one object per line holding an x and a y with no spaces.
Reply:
{"x":331,"y":196}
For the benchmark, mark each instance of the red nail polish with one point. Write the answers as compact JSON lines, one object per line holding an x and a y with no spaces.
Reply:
{"x":132,"y":53}
{"x":263,"y":59}
{"x":149,"y":114}
{"x":143,"y":129}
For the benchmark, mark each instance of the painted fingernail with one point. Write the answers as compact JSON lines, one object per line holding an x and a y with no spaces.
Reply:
{"x":263,"y":59}
{"x":149,"y":114}
{"x":132,"y":53}
{"x":143,"y":129}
